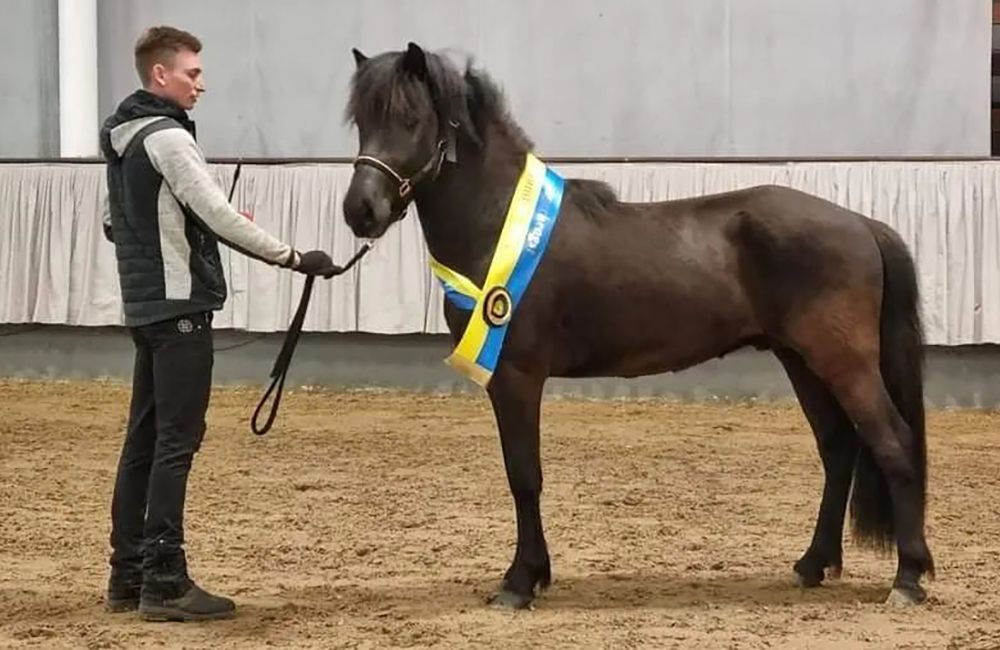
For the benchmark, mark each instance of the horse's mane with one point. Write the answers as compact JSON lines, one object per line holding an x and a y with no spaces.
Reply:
{"x":382,"y":89}
{"x":592,"y":197}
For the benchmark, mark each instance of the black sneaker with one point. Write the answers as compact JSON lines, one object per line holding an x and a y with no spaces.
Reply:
{"x":180,"y":599}
{"x":124,"y":589}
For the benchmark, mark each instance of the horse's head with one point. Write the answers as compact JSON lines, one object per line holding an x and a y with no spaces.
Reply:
{"x":406,"y":107}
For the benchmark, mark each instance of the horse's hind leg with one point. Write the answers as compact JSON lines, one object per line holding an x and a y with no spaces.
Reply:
{"x":837,"y":441}
{"x":888,"y":496}
{"x":516,"y":399}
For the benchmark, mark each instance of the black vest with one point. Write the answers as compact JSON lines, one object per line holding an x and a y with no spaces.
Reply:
{"x":134,"y":189}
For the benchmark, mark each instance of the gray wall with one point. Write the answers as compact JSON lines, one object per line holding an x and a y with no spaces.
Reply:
{"x":29,"y":78}
{"x":966,"y":376}
{"x":697,"y":78}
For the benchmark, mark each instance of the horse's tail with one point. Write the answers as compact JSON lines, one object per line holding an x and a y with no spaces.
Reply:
{"x":902,"y":355}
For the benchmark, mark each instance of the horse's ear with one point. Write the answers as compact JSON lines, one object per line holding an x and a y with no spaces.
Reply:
{"x":359,"y":58}
{"x":415,"y":61}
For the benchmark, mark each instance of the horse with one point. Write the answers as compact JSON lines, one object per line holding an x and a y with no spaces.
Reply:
{"x":632,"y":289}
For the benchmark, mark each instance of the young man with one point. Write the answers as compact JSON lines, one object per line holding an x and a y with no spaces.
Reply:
{"x":166,"y":216}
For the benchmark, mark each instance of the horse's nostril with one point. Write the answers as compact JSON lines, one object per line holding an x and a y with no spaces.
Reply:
{"x":361,"y":217}
{"x":364,"y":208}
{"x":367,"y":215}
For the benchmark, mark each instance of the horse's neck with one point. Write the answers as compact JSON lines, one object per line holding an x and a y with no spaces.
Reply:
{"x":463,"y":212}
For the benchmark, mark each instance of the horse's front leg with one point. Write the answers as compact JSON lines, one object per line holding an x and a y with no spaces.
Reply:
{"x":516,"y":398}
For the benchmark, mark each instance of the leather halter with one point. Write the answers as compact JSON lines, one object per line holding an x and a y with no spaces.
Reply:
{"x":406,"y":185}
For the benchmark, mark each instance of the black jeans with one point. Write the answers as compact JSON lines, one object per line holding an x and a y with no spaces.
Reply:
{"x":170,"y":393}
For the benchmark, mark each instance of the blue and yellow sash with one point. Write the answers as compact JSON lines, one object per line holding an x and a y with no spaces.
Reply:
{"x":531,"y":217}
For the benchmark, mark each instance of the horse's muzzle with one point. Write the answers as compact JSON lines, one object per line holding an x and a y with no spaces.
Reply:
{"x":368,"y":209}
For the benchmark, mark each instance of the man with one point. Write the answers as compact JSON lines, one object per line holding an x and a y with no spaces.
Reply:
{"x":166,"y":215}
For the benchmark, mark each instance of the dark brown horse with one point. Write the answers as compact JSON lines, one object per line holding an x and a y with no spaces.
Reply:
{"x":629,"y":289}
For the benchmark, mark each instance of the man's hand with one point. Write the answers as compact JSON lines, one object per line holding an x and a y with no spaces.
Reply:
{"x":317,"y":263}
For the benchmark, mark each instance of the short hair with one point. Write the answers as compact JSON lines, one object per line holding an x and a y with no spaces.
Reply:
{"x":159,"y":45}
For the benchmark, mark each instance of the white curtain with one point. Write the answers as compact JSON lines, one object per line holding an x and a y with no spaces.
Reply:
{"x":56,"y":267}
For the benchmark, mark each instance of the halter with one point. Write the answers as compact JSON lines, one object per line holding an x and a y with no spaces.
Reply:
{"x":406,"y":185}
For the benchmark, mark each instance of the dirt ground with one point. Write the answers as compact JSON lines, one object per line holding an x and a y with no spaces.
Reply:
{"x":380,"y":520}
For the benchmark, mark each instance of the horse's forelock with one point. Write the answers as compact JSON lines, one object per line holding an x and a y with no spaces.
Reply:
{"x":381,"y":89}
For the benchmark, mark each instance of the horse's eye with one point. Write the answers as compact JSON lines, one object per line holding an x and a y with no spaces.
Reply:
{"x":411,"y":123}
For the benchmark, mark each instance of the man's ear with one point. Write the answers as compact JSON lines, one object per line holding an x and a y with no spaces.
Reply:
{"x":157,"y":74}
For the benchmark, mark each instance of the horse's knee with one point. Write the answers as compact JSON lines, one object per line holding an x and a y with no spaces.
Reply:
{"x":526,"y":482}
{"x":524,"y":472}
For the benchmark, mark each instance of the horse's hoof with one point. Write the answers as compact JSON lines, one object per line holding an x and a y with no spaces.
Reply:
{"x":906,"y":596}
{"x":831,"y":573}
{"x":504,"y":599}
{"x":806,"y":582}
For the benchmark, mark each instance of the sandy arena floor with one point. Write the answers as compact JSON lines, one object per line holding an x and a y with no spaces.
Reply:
{"x":376,"y":520}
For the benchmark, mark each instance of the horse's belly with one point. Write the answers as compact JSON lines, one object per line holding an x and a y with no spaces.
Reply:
{"x":636,"y":340}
